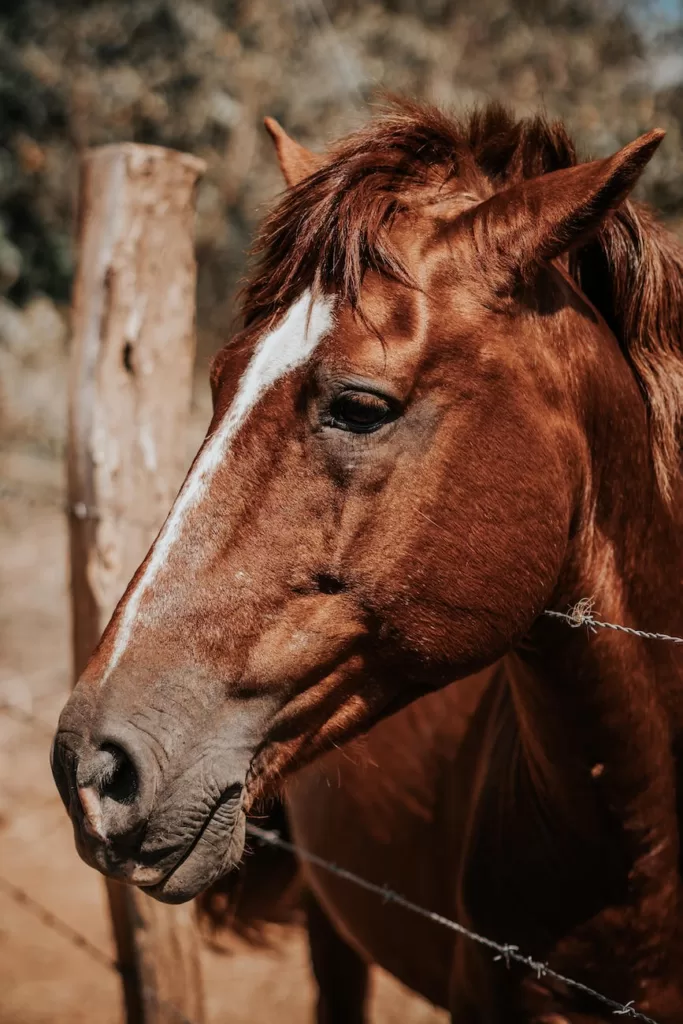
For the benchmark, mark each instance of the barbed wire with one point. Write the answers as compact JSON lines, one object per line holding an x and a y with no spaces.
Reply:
{"x":20,"y":714}
{"x":581,"y":614}
{"x":46,"y":916}
{"x":44,"y":498}
{"x":505,"y":952}
{"x":71,"y":935}
{"x":57,"y":924}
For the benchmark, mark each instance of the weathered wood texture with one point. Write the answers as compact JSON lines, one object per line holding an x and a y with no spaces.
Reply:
{"x":130,"y":385}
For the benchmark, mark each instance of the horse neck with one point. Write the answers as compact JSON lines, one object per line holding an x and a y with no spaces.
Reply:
{"x":600,"y":714}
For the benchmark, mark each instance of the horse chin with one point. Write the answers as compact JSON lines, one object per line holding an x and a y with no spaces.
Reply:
{"x":216,"y":852}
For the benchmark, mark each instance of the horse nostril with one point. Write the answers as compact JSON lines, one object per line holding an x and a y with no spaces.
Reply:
{"x":107,"y":783}
{"x":114,"y":776}
{"x":110,"y":773}
{"x":107,"y":787}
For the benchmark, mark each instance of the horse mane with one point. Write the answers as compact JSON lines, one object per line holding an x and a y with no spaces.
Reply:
{"x":332,"y":227}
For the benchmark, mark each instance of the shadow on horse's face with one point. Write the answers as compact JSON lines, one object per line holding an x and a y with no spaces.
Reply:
{"x":382,"y":504}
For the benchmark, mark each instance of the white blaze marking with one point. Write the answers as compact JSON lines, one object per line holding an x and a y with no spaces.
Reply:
{"x":284,"y":348}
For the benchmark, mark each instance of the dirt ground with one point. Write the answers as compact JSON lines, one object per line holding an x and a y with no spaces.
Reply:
{"x":44,"y":977}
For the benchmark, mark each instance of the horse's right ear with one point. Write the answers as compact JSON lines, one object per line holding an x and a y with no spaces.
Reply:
{"x":296,"y":162}
{"x":541,"y":219}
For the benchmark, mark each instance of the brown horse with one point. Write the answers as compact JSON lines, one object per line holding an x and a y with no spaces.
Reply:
{"x":455,"y":402}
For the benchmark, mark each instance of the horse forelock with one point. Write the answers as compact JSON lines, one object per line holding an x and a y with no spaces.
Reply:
{"x":334,"y":226}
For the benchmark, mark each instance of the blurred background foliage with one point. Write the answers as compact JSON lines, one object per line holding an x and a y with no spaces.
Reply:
{"x":199,"y":75}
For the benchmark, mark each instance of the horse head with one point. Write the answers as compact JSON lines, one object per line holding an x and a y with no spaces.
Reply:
{"x":388,"y":494}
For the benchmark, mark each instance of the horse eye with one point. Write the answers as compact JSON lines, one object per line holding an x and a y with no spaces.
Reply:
{"x":359,"y":412}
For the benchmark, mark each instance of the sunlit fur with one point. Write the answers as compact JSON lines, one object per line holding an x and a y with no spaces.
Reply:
{"x":333,"y":227}
{"x":279,"y":351}
{"x":519,"y":324}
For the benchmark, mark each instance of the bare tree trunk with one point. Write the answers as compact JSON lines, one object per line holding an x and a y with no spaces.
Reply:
{"x":130,"y":386}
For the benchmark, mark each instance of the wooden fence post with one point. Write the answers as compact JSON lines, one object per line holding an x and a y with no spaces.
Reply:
{"x":130,"y":385}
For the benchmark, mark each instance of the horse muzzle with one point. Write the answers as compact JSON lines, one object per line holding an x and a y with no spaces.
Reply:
{"x":173,"y":836}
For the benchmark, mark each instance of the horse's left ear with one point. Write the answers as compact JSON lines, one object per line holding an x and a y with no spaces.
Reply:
{"x":543,"y":218}
{"x":296,"y":162}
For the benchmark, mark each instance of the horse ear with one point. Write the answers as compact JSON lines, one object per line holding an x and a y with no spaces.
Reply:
{"x":296,"y":162}
{"x":543,"y":218}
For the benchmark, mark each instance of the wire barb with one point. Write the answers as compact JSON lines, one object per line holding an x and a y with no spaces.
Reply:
{"x":506,"y":955}
{"x":628,"y":1010}
{"x":582,"y":614}
{"x":505,"y":951}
